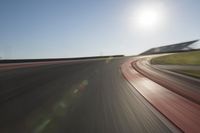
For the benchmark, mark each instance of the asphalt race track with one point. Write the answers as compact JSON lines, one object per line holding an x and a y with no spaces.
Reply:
{"x":82,"y":97}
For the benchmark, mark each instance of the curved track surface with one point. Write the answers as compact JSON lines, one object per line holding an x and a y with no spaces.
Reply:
{"x":174,"y":98}
{"x":82,"y":97}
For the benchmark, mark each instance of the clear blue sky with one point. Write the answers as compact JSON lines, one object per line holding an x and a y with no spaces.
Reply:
{"x":73,"y":28}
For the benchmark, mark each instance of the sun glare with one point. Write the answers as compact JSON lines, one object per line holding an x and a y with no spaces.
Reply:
{"x":148,"y":17}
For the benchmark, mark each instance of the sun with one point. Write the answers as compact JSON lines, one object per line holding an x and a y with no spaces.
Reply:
{"x":148,"y":17}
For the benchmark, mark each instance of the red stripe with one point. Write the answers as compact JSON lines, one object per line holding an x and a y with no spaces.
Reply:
{"x":184,"y":113}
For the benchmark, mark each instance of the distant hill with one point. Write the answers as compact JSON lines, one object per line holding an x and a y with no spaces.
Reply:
{"x":179,"y":47}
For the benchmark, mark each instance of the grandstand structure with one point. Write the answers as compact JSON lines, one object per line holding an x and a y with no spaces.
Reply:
{"x":179,"y":47}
